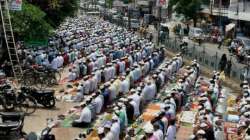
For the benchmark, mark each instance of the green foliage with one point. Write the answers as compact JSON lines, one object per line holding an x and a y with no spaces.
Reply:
{"x":188,"y":8}
{"x":30,"y":23}
{"x":38,"y":17}
{"x":57,"y":10}
{"x":110,"y":3}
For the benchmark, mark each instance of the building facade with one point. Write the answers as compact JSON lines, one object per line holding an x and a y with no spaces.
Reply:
{"x":224,"y":12}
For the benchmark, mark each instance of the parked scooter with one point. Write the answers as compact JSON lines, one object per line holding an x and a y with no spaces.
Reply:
{"x":11,"y":126}
{"x":43,"y":97}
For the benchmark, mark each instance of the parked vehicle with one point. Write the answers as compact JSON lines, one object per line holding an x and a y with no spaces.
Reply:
{"x":11,"y":126}
{"x":184,"y":45}
{"x":196,"y":33}
{"x":40,"y":77}
{"x":135,"y":24}
{"x":46,"y":135}
{"x":43,"y":97}
{"x":11,"y":100}
{"x":241,"y":48}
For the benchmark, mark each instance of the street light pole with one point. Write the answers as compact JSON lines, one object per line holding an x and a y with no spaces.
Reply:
{"x":220,"y":14}
{"x":159,"y":25}
{"x":129,"y":17}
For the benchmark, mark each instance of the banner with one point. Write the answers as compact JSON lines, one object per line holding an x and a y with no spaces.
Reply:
{"x":16,"y":5}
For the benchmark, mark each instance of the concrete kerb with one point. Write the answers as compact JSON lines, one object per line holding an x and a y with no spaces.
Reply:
{"x":229,"y":82}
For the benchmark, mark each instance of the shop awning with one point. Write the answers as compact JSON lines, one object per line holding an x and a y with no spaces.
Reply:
{"x":143,"y":3}
{"x":230,"y":27}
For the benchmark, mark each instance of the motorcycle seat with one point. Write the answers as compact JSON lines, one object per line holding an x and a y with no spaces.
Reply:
{"x":9,"y":125}
{"x":45,"y":91}
{"x":13,"y":116}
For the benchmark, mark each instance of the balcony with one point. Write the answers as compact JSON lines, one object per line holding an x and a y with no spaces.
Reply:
{"x":239,"y":10}
{"x":215,"y":10}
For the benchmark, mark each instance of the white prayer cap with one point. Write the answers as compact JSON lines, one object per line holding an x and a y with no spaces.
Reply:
{"x":222,"y":100}
{"x":180,"y":80}
{"x":148,"y":128}
{"x":202,"y":132}
{"x":243,"y":103}
{"x":203,"y":125}
{"x":247,"y":113}
{"x":185,"y":74}
{"x":122,"y":99}
{"x":107,"y":125}
{"x":114,"y":117}
{"x":203,"y":94}
{"x":132,"y":90}
{"x":245,"y":82}
{"x":100,"y":130}
{"x":116,"y":108}
{"x":191,"y":137}
{"x":202,"y":98}
{"x":120,"y":104}
{"x":199,"y":107}
{"x":107,"y":84}
{"x":245,"y":86}
{"x":247,"y":106}
{"x":138,"y":88}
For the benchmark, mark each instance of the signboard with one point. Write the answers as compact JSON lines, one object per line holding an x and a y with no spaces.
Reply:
{"x":162,"y":3}
{"x":16,"y":5}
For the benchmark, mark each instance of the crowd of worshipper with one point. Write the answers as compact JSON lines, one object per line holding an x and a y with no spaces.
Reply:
{"x":87,"y":42}
{"x":129,"y":105}
{"x":209,"y":119}
{"x":117,"y":72}
{"x":244,"y":110}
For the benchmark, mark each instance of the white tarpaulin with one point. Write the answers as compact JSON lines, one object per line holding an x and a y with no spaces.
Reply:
{"x":230,"y":27}
{"x":16,"y":5}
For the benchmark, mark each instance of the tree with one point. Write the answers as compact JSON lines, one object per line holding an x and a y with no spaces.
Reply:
{"x":57,"y":10}
{"x":188,"y":8}
{"x":30,"y":23}
{"x":110,"y":3}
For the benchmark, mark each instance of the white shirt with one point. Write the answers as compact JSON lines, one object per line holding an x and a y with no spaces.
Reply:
{"x":136,"y":98}
{"x":124,"y":86}
{"x":171,"y":132}
{"x":72,"y":76}
{"x":99,"y":103}
{"x":112,"y":92}
{"x":85,"y":116}
{"x":110,"y":136}
{"x":86,"y":87}
{"x":54,"y":64}
{"x":115,"y":129}
{"x":136,"y":108}
{"x":159,"y":134}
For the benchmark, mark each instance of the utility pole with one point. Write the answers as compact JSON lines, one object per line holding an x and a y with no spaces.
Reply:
{"x":159,"y":24}
{"x":129,"y":17}
{"x":220,"y":15}
{"x":105,"y":9}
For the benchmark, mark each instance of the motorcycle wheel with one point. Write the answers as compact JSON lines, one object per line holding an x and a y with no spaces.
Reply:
{"x":2,"y":103}
{"x":8,"y":106}
{"x":51,"y":102}
{"x":28,"y":105}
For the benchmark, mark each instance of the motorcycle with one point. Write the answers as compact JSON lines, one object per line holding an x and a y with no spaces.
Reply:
{"x":43,"y":97}
{"x":11,"y":126}
{"x":11,"y":100}
{"x":184,"y":45}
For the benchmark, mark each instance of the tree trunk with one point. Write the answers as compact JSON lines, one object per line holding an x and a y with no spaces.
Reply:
{"x":195,"y":21}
